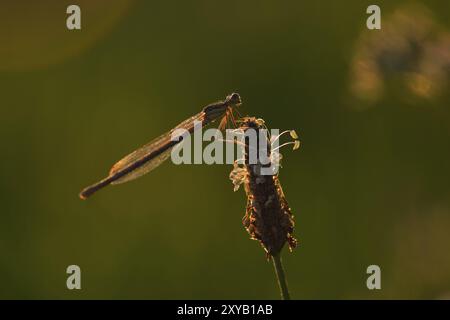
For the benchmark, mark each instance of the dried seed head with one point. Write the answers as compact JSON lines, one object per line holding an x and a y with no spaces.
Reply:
{"x":268,"y":217}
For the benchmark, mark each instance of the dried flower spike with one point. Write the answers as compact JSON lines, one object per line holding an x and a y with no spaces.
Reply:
{"x":268,"y":217}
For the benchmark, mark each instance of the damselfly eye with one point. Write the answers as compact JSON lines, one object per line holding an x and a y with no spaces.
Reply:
{"x":234,"y":98}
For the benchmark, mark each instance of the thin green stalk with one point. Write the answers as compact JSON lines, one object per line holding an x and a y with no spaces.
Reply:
{"x":281,"y":277}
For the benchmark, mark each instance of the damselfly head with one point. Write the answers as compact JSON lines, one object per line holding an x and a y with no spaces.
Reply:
{"x":234,"y":99}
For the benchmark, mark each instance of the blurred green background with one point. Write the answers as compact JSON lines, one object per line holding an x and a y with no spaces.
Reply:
{"x":370,"y":184}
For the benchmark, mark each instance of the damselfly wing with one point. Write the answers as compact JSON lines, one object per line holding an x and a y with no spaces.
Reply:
{"x":151,"y":155}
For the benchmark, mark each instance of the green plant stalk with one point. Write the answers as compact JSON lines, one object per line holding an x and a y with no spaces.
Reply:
{"x":281,"y":277}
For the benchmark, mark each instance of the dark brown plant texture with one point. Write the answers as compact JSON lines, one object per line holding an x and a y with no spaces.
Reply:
{"x":268,"y":217}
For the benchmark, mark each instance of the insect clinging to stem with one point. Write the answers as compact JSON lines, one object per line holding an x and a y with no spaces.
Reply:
{"x":151,"y":155}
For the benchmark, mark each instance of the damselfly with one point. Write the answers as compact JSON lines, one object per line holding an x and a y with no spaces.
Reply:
{"x":151,"y":155}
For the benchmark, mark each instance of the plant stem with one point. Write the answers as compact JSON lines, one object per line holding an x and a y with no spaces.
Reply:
{"x":279,"y":271}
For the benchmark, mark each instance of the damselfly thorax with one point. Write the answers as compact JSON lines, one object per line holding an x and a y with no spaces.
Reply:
{"x":151,"y":155}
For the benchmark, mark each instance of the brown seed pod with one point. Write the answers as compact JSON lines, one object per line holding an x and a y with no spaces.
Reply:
{"x":268,"y":217}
